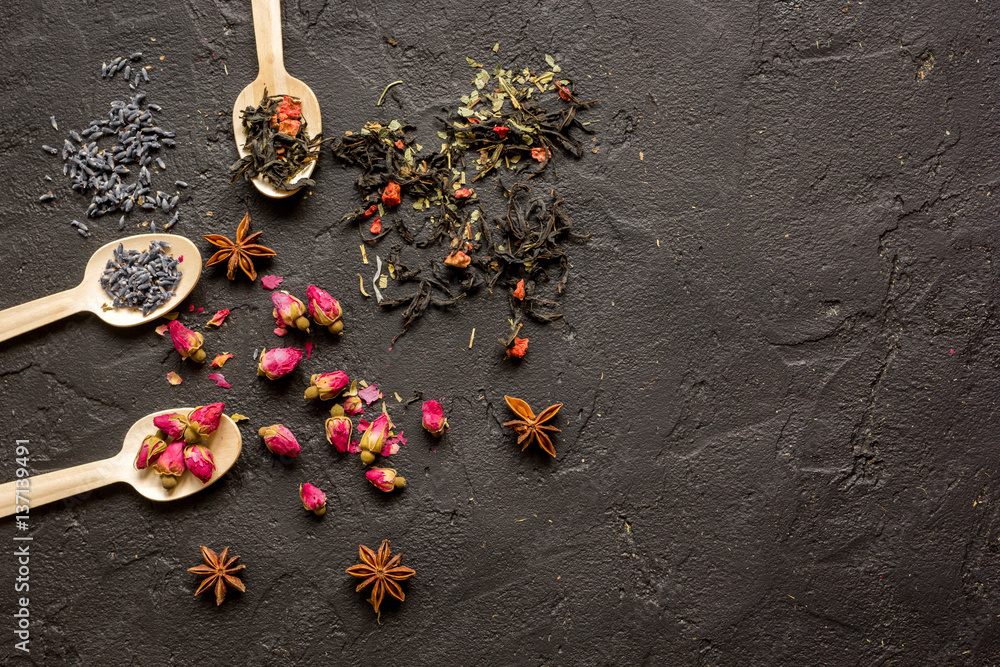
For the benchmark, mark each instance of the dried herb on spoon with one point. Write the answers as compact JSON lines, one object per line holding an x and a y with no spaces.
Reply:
{"x":278,"y":143}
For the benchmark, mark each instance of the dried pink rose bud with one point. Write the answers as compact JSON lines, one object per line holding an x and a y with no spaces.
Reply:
{"x":172,"y":424}
{"x":289,"y":311}
{"x":312,"y":498}
{"x":374,"y":437}
{"x":325,"y":386}
{"x":280,"y":440}
{"x":200,"y":462}
{"x":151,"y":448}
{"x":203,"y":421}
{"x":170,"y":464}
{"x":187,"y":343}
{"x":385,"y":478}
{"x":324,"y":309}
{"x":338,"y":430}
{"x":434,"y":420}
{"x":278,"y":361}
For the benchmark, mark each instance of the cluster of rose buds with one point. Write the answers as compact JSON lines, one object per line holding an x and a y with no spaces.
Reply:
{"x":290,"y":313}
{"x":179,"y":445}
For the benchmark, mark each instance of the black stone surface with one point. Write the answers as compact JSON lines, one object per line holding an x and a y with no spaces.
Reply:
{"x":779,"y":366}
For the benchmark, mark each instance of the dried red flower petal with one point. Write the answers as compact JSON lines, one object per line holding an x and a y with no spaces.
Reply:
{"x":501,"y":131}
{"x":518,"y":348}
{"x":392,"y":194}
{"x":474,"y":120}
{"x":376,"y":227}
{"x":519,"y":291}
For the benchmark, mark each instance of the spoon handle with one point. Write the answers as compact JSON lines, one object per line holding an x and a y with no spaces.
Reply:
{"x":270,"y":56}
{"x":19,"y":319}
{"x":29,"y":492}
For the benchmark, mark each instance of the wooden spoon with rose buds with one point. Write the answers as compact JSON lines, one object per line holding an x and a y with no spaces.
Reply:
{"x":30,"y":492}
{"x":90,"y":296}
{"x":272,"y":76}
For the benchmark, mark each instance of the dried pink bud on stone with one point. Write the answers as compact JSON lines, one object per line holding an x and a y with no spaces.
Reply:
{"x":325,"y":386}
{"x":338,"y":430}
{"x":187,"y":343}
{"x":280,"y":440}
{"x":434,"y":420}
{"x":313,"y":499}
{"x":324,"y":309}
{"x":385,"y":479}
{"x":289,"y":311}
{"x":279,"y":361}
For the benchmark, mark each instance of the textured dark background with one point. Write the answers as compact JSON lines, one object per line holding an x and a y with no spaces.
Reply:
{"x":779,"y":368}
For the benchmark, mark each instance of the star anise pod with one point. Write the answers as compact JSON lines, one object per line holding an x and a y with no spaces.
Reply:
{"x":218,"y":572}
{"x":381,"y":570}
{"x":529,"y":426}
{"x":241,"y":253}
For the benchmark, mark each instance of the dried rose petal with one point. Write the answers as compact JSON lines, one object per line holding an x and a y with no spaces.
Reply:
{"x":280,"y":331}
{"x":393,"y":444}
{"x":309,"y":349}
{"x":162,"y":329}
{"x":220,"y":380}
{"x":312,"y":498}
{"x":370,"y":393}
{"x":391,"y":196}
{"x":279,"y":361}
{"x":174,"y":379}
{"x":434,"y":420}
{"x":217,"y":319}
{"x":325,"y":386}
{"x":221,"y":359}
{"x":385,"y":479}
{"x":186,"y":342}
{"x":501,"y":131}
{"x":200,"y":462}
{"x":289,"y":311}
{"x":172,"y":424}
{"x":324,"y":309}
{"x":271,"y":282}
{"x":280,"y":440}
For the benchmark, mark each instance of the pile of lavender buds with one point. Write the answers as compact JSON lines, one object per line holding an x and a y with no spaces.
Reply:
{"x":141,"y":280}
{"x":100,"y":172}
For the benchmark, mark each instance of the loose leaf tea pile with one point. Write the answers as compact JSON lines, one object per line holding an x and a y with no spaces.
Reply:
{"x":457,"y":248}
{"x":278,"y":143}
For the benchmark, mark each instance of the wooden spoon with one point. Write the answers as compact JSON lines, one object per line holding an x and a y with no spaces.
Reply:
{"x":272,"y":76}
{"x":225,"y":445}
{"x":89,"y":295}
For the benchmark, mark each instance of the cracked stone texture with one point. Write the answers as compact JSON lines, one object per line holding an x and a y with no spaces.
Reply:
{"x":778,"y":367}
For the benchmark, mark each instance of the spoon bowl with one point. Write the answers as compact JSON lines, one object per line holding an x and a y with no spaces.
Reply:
{"x":273,"y":77}
{"x":27,"y":493}
{"x":90,"y":296}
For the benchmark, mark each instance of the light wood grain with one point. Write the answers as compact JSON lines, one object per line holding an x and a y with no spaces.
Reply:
{"x":273,"y":77}
{"x":90,"y":296}
{"x":225,"y":445}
